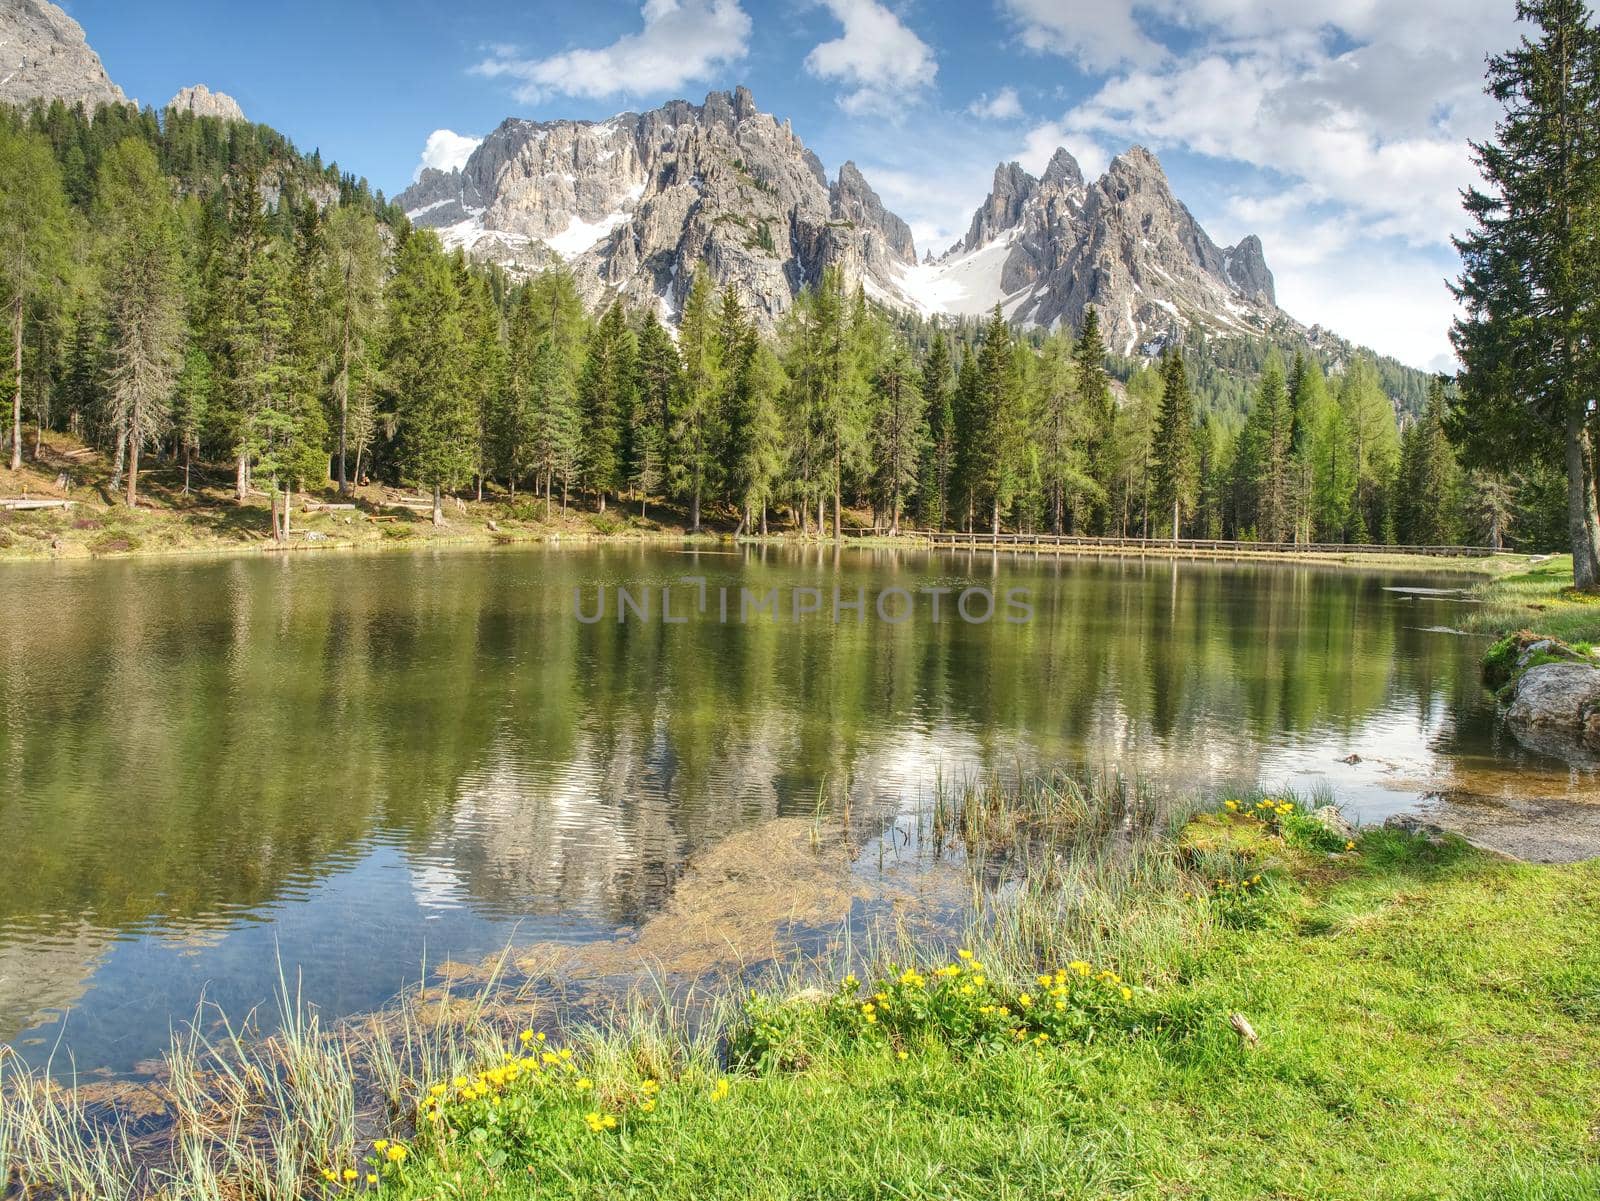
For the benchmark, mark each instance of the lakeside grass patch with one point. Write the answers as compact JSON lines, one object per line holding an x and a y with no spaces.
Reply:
{"x":1425,"y":1023}
{"x":1539,"y":597}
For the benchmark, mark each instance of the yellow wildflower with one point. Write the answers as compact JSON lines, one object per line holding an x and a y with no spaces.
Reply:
{"x":720,"y":1092}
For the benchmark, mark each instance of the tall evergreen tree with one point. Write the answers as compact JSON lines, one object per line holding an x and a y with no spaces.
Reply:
{"x":1095,"y":404}
{"x":355,"y":266}
{"x":33,"y":240}
{"x":143,"y":287}
{"x":1530,"y":279}
{"x":605,"y":397}
{"x":425,"y":348}
{"x":1174,"y":450}
{"x":899,"y":433}
{"x":938,"y":390}
{"x":693,"y":435}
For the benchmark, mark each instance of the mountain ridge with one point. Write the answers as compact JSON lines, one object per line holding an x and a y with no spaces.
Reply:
{"x":634,"y":204}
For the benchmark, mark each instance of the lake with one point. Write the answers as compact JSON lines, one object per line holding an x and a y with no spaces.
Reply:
{"x":347,"y":763}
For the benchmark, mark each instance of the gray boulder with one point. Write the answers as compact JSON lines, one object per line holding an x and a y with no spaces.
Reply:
{"x":1334,"y":822}
{"x":1560,"y":701}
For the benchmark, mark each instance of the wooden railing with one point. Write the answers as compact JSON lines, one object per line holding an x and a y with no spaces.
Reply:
{"x":957,"y":540}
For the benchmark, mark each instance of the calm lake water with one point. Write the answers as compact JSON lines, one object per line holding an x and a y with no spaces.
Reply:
{"x":347,"y":763}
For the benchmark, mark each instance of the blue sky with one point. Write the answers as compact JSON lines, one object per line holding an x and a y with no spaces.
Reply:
{"x":1334,"y":129}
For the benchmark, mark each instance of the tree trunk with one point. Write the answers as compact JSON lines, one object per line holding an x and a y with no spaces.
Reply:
{"x":438,"y":506}
{"x":344,"y":402}
{"x":996,"y":510}
{"x":288,"y":497}
{"x":1174,"y":519}
{"x":694,"y":511}
{"x":16,"y":398}
{"x":763,"y":519}
{"x":838,"y":499}
{"x":133,"y":472}
{"x":1583,"y":520}
{"x":241,"y":484}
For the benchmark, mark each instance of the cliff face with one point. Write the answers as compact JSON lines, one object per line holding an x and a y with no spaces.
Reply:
{"x":1046,"y":249}
{"x":43,"y":56}
{"x":203,"y":102}
{"x":635,"y":205}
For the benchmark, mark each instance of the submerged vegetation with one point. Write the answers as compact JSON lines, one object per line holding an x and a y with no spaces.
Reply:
{"x":1145,"y":1000}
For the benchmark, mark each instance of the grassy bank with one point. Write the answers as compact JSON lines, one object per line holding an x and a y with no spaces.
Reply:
{"x":197,"y":512}
{"x":1237,"y":1004}
{"x":1539,"y":597}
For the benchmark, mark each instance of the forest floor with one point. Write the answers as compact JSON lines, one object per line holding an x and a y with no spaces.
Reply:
{"x":206,"y":517}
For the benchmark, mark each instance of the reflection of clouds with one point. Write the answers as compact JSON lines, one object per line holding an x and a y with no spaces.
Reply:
{"x":435,"y":884}
{"x":38,"y":975}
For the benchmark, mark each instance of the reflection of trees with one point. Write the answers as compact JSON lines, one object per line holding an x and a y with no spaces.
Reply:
{"x":182,"y":741}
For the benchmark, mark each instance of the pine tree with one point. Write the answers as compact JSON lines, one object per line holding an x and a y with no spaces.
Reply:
{"x":34,"y":225}
{"x":355,"y":266}
{"x":1095,"y":405}
{"x":938,"y":390}
{"x":692,"y":432}
{"x":144,"y":319}
{"x":605,"y":396}
{"x":425,"y":348}
{"x":655,"y":389}
{"x":900,"y":430}
{"x":1530,"y":280}
{"x":995,"y":429}
{"x":1425,"y":503}
{"x":1174,"y":450}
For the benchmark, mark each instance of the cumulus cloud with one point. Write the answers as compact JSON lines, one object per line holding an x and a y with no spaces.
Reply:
{"x":1002,"y":106}
{"x":1359,"y":113}
{"x":446,"y":150}
{"x":880,"y":63}
{"x":1043,"y":140}
{"x":681,"y":40}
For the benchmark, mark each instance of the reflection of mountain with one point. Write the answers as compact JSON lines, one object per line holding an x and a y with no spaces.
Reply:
{"x":244,"y":729}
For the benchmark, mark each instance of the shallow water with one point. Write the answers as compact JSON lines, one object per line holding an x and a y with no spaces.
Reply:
{"x":350,"y":764}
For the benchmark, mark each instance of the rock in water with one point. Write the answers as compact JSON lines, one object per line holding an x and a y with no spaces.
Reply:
{"x":1556,"y":706}
{"x":44,"y":56}
{"x":203,"y":102}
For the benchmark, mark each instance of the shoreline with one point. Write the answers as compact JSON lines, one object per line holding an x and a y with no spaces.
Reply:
{"x":1222,"y":912}
{"x":1488,"y":567}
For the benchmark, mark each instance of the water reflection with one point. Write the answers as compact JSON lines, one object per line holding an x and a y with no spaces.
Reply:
{"x":351,"y":762}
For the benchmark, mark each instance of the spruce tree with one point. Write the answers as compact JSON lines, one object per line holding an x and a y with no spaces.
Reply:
{"x":144,"y":319}
{"x":425,"y":349}
{"x":1095,"y":405}
{"x":692,"y":434}
{"x":34,"y":226}
{"x":1174,"y":450}
{"x":1530,"y":279}
{"x":899,"y":431}
{"x":938,"y":390}
{"x":605,"y":397}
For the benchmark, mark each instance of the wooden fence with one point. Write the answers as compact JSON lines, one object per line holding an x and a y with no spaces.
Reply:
{"x":956,"y":540}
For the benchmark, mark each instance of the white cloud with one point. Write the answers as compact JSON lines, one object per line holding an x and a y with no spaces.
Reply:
{"x":1099,"y":35}
{"x":682,"y":40}
{"x":1002,"y":106}
{"x":446,"y":150}
{"x":1043,"y":140}
{"x":1357,"y":110}
{"x":880,"y":62}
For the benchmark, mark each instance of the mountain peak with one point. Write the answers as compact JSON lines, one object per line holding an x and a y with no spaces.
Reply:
{"x":203,"y":102}
{"x":44,"y":56}
{"x":1063,"y":170}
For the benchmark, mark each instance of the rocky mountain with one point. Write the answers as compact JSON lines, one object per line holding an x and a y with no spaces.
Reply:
{"x":1046,"y":249}
{"x":43,"y":56}
{"x":636,"y":203}
{"x":203,"y":102}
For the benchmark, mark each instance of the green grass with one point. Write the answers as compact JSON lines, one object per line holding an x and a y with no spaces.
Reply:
{"x":1427,"y":1021}
{"x":1540,"y":598}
